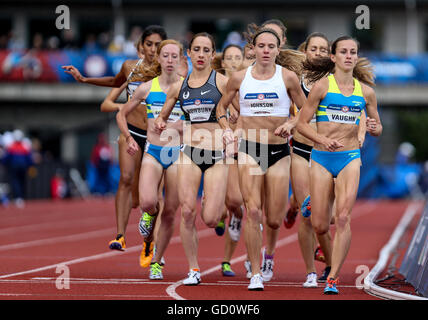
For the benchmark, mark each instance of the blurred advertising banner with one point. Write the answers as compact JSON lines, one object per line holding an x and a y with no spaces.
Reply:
{"x":45,"y":66}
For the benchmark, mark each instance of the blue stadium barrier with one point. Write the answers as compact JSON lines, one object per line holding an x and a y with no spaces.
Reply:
{"x":414,"y":266}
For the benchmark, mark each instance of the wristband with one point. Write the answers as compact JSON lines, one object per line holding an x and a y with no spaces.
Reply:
{"x":223,"y":116}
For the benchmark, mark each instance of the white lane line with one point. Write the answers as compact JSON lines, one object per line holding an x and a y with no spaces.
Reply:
{"x":364,"y":209}
{"x":76,"y":281}
{"x":201,"y":234}
{"x":55,"y":240}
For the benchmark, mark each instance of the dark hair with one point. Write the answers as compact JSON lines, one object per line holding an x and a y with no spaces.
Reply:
{"x":265,"y":30}
{"x":216,"y":62}
{"x":316,"y":35}
{"x":276,"y":22}
{"x":149,"y":30}
{"x":203,"y":34}
{"x":320,"y":67}
{"x":231,"y":46}
{"x":343,"y":38}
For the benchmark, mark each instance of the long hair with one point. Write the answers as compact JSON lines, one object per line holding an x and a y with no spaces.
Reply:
{"x":148,"y":72}
{"x":287,"y":58}
{"x":319,"y":68}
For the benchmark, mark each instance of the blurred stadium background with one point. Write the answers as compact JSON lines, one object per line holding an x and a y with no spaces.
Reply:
{"x":61,"y":119}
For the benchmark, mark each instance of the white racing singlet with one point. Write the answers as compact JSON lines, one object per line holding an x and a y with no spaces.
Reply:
{"x":264,"y":98}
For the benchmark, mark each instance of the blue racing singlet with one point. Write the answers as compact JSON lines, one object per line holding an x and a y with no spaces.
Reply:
{"x":155,"y":101}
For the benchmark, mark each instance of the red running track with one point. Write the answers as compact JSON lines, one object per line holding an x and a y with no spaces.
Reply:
{"x":75,"y":233}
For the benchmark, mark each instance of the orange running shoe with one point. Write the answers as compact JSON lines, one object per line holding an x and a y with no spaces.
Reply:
{"x":118,"y":243}
{"x":146,"y":255}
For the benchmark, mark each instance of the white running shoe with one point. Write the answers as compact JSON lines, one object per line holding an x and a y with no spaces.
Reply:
{"x":193,"y":278}
{"x":235,"y":228}
{"x":256,"y":283}
{"x":311,"y":280}
{"x":267,"y":267}
{"x":247,"y":265}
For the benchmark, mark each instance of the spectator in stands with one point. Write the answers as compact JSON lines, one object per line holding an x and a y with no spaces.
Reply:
{"x":234,"y":38}
{"x":18,"y":160}
{"x":116,"y":46}
{"x":91,"y":45}
{"x":59,"y":187}
{"x":129,"y":45}
{"x":102,"y":159}
{"x":68,"y":40}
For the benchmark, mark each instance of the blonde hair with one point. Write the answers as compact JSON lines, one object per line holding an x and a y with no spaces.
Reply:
{"x":148,"y":72}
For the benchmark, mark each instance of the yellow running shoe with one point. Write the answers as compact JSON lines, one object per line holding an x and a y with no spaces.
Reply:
{"x":118,"y":243}
{"x":146,"y":255}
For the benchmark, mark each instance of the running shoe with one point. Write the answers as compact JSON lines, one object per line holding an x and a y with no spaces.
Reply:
{"x":330,"y":287}
{"x":226,"y":270}
{"x":290,"y":218}
{"x":306,"y":207}
{"x":118,"y":243}
{"x":235,"y":228}
{"x":155,"y":271}
{"x":219,"y":229}
{"x":311,"y":280}
{"x":193,"y":278}
{"x":146,"y":224}
{"x":247,"y":265}
{"x":146,"y":255}
{"x":256,"y":283}
{"x":325,"y":274}
{"x":319,"y":255}
{"x":267,"y":267}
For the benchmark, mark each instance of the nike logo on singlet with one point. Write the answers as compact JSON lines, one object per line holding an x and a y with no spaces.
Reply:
{"x":204,"y":92}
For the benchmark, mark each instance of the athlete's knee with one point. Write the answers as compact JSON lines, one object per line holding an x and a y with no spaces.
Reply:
{"x":273,"y":223}
{"x":233,"y":203}
{"x":126,"y":179}
{"x":168,"y":214}
{"x":320,"y":227}
{"x":254,"y":214}
{"x":148,"y":203}
{"x":342,"y":220}
{"x":188,"y":214}
{"x":210,"y":221}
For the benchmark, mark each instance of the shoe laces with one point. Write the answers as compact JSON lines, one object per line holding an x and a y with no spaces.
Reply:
{"x":332,"y":282}
{"x":193,"y":273}
{"x":226,"y":267}
{"x":268,"y":265}
{"x":256,"y":278}
{"x":156,"y":268}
